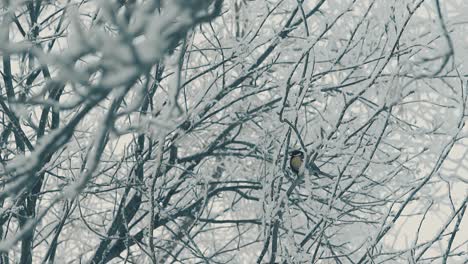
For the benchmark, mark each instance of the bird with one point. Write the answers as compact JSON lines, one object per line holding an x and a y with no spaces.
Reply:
{"x":296,"y":160}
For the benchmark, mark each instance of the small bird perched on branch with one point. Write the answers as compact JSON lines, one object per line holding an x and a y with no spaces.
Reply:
{"x":297,"y":158}
{"x":296,"y":161}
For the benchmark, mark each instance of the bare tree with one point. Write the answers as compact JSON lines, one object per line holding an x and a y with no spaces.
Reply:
{"x":159,"y":131}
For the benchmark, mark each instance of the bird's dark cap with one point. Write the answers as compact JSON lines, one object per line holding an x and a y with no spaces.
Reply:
{"x":297,"y":153}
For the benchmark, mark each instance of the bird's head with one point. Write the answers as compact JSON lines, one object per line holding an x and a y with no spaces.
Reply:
{"x":297,"y":153}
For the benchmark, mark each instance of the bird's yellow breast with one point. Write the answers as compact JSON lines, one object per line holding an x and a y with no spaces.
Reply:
{"x":296,"y":163}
